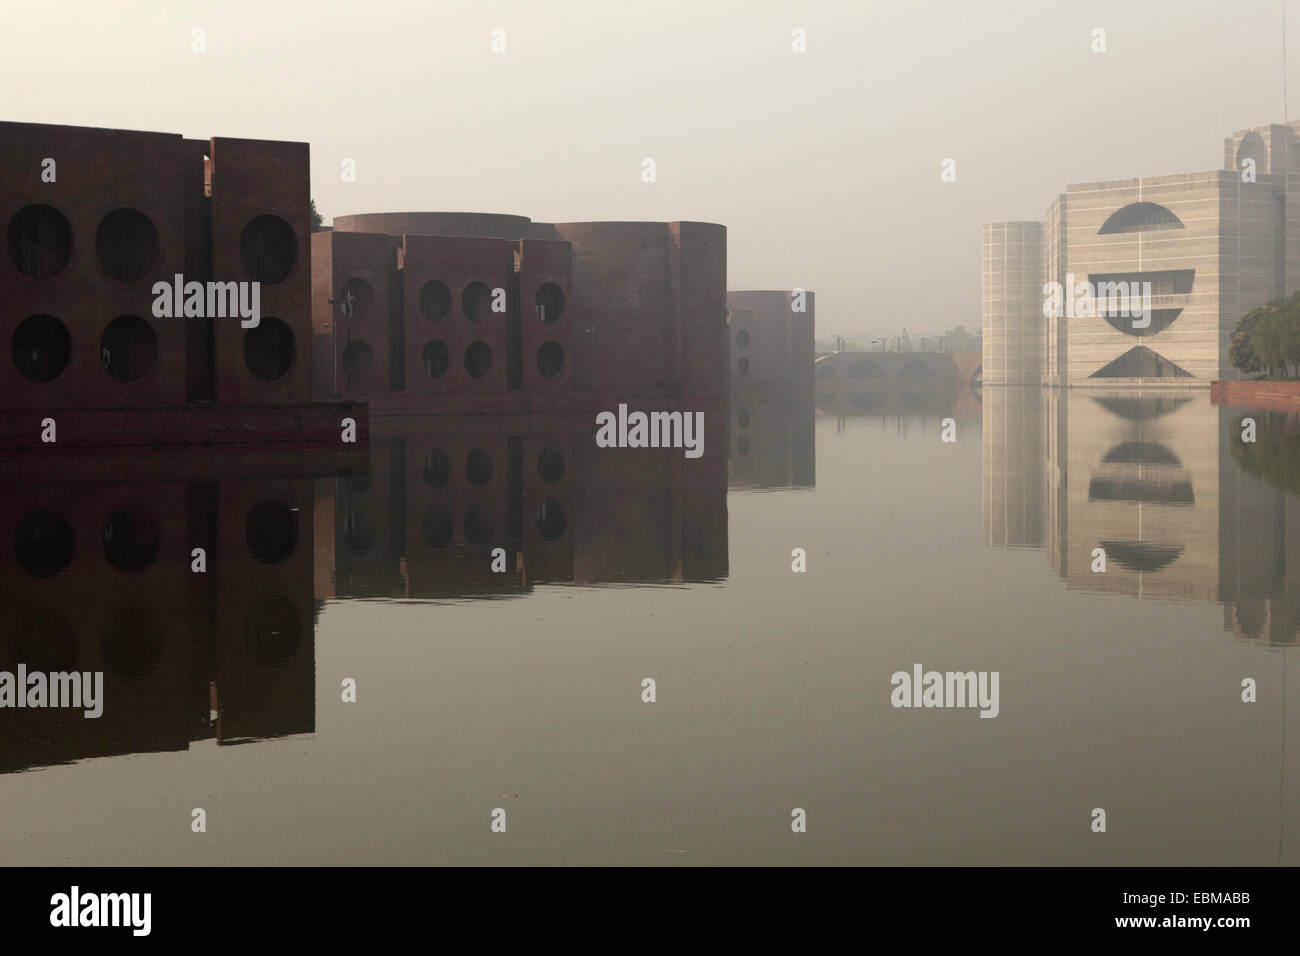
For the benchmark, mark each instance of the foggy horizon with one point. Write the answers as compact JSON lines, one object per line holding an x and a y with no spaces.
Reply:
{"x":824,"y":166}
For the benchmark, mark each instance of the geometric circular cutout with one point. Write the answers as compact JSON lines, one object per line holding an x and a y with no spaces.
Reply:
{"x":271,"y":531}
{"x":42,"y":347}
{"x":435,"y":300}
{"x":478,"y":359}
{"x":128,"y":348}
{"x":40,"y":241}
{"x":549,"y":302}
{"x":477,"y":301}
{"x":127,"y":245}
{"x":550,"y":359}
{"x":130,"y":539}
{"x":268,"y":249}
{"x":269,"y":349}
{"x":43,"y":543}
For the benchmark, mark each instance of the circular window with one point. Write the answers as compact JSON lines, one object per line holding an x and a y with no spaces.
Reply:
{"x":550,"y":359}
{"x":743,"y":366}
{"x":271,"y":531}
{"x":127,"y":243}
{"x":742,"y":338}
{"x":45,"y":642}
{"x":435,"y":300}
{"x":356,"y":360}
{"x":272,"y":629}
{"x":40,"y":241}
{"x":478,"y":525}
{"x":550,"y":465}
{"x":436,"y":469}
{"x":549,"y":302}
{"x":43,"y":544}
{"x":478,"y":467}
{"x":436,"y":527}
{"x":130,"y":539}
{"x":131,"y":643}
{"x":269,"y":349}
{"x":356,"y":299}
{"x":477,"y":301}
{"x":128,"y":348}
{"x":550,"y":520}
{"x":478,"y":359}
{"x":436,"y":360}
{"x":268,"y":249}
{"x":42,"y":346}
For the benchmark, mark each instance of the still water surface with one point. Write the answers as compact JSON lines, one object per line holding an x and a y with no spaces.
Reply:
{"x":522,"y":689}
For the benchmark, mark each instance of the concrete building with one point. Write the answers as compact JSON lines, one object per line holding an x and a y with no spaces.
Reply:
{"x":480,"y":312}
{"x":1212,"y":246}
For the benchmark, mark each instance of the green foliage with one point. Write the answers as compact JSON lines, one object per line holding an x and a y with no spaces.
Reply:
{"x":317,"y":220}
{"x":1268,"y":338}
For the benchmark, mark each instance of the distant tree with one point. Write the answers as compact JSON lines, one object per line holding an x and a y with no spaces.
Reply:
{"x":1240,"y":353}
{"x":317,"y":220}
{"x":1268,"y":338}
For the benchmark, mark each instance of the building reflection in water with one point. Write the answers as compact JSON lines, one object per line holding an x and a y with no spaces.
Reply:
{"x":1184,"y":510}
{"x":103,"y":550}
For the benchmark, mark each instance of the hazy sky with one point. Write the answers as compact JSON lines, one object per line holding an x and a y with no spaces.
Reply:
{"x":823,"y":165}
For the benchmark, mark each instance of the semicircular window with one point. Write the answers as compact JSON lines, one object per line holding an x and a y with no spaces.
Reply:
{"x":1142,"y":453}
{"x":1140,"y":217}
{"x":1161,"y":319}
{"x":867,"y":369}
{"x":1142,"y":555}
{"x":915,"y":368}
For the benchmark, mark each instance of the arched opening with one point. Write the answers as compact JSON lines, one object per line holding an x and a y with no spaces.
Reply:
{"x":1140,"y":217}
{"x":476,"y":301}
{"x":550,"y":359}
{"x":271,"y":531}
{"x":742,"y":339}
{"x":435,"y":359}
{"x":269,"y":349}
{"x":127,"y":244}
{"x":268,"y":249}
{"x":435,"y":300}
{"x":436,"y":527}
{"x":478,"y":467}
{"x":40,"y":241}
{"x":130,"y":539}
{"x":357,"y":360}
{"x":129,"y":348}
{"x":1252,"y":146}
{"x":742,"y":366}
{"x":549,"y":302}
{"x":916,"y":368}
{"x":478,"y":359}
{"x":867,"y":368}
{"x":43,"y":543}
{"x":42,"y":347}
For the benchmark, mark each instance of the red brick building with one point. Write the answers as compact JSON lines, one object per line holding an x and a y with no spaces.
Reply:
{"x":91,"y":219}
{"x":471,"y":311}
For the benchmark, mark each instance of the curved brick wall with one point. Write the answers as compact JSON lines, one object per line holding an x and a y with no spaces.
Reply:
{"x":472,"y":224}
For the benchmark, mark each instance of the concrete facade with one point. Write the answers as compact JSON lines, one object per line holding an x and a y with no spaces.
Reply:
{"x":1213,"y":245}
